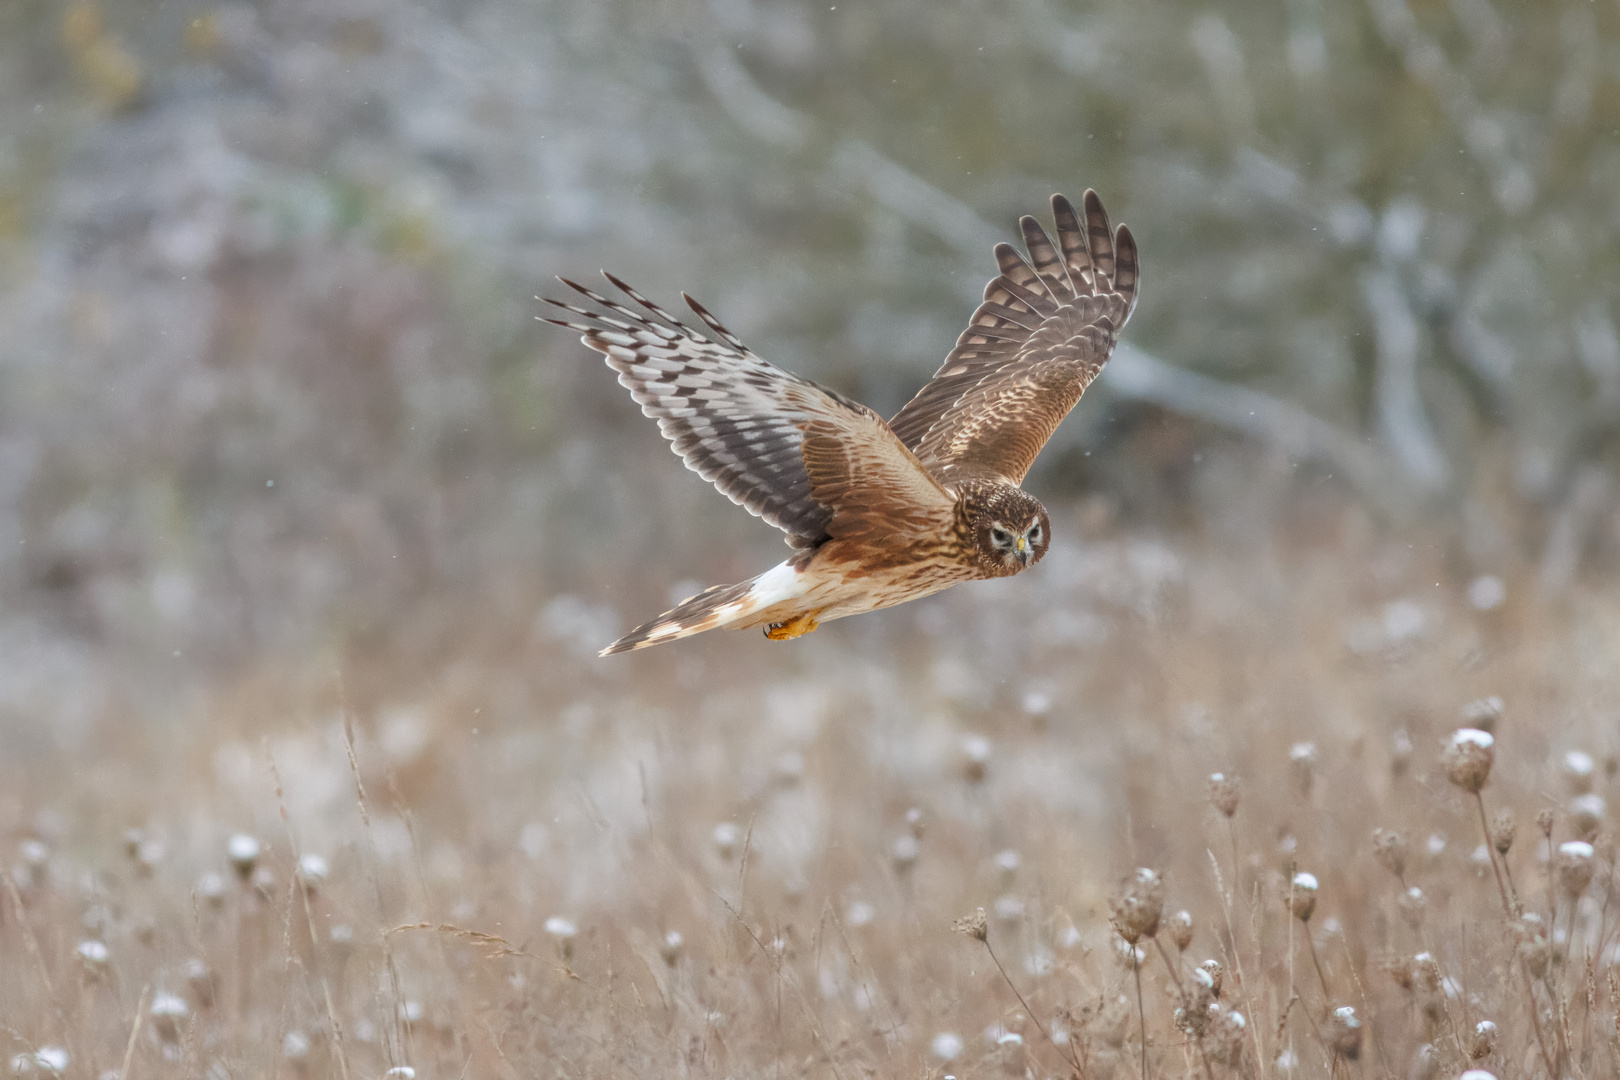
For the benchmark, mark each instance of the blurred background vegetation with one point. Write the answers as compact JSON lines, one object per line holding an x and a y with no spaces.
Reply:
{"x":270,"y":383}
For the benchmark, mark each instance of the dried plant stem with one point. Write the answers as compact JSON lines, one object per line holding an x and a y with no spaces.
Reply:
{"x":1327,"y":995}
{"x":134,"y":1031}
{"x":1141,"y":1011}
{"x":1510,"y":902}
{"x":1198,"y":1039}
{"x":1236,"y":955}
{"x":1029,"y":1012}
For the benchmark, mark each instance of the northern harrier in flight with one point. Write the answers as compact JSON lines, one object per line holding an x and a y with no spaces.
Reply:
{"x":878,"y":512}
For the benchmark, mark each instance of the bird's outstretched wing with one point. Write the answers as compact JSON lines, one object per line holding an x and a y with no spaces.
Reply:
{"x":742,"y":423}
{"x":1041,"y":335}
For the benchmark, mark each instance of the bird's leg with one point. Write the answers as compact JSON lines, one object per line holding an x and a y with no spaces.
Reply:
{"x":797,"y":626}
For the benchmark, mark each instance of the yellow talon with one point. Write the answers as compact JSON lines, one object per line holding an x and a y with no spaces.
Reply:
{"x":795,"y":627}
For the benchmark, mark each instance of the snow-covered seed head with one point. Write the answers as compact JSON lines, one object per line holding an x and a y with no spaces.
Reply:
{"x":1413,"y":905}
{"x":1578,"y":772}
{"x":94,"y":956}
{"x":1198,"y":998}
{"x":50,"y":1060}
{"x":211,"y":889}
{"x":1302,"y":759}
{"x":243,"y":851}
{"x":914,"y":822}
{"x":976,"y":925}
{"x":295,"y":1046}
{"x":727,"y":835}
{"x":312,"y":871}
{"x":400,"y":1072}
{"x":563,"y":932}
{"x":1344,"y":1032}
{"x":1484,"y":1040}
{"x":169,"y":1011}
{"x":670,"y":947}
{"x":904,"y":852}
{"x":1224,"y":793}
{"x":1227,"y":1031}
{"x":1400,"y":751}
{"x":1389,"y":848}
{"x":1426,"y":1063}
{"x":1181,"y":929}
{"x":1213,"y":969}
{"x":975,"y":758}
{"x":1469,"y":757}
{"x":1503,"y":829}
{"x":1576,"y":865}
{"x":1484,"y":714}
{"x":1008,"y":861}
{"x":1136,"y":908}
{"x":1477,"y":1074}
{"x":1586,"y":814}
{"x":200,"y":982}
{"x":1302,"y":896}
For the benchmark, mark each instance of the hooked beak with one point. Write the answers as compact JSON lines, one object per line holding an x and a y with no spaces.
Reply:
{"x":1022,"y":550}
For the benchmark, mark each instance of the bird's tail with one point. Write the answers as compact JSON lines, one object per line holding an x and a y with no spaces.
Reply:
{"x":720,"y":605}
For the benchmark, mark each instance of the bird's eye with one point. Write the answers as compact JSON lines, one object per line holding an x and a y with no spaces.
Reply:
{"x":1034,"y":534}
{"x":1001,"y":536}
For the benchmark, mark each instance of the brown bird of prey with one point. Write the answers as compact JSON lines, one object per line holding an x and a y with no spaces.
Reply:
{"x":878,"y":512}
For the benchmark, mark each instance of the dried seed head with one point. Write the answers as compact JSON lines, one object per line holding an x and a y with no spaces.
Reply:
{"x":1213,"y":969}
{"x":1586,"y":814}
{"x":1503,"y":829}
{"x":1136,"y":908}
{"x":1425,"y":1063}
{"x":1302,"y":896}
{"x":1181,"y":930}
{"x":976,"y":925}
{"x":1484,"y":1040}
{"x":1578,"y":772}
{"x":1484,"y":714}
{"x":1389,"y":847}
{"x":1302,"y":759}
{"x":1544,"y":821}
{"x":1576,"y":865}
{"x":243,"y":851}
{"x":1224,"y":793}
{"x":1469,"y":757}
{"x":1344,"y":1032}
{"x":1533,"y":947}
{"x":1413,"y":905}
{"x":1399,"y":969}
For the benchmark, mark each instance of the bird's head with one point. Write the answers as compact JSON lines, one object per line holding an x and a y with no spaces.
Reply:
{"x":1012,"y":532}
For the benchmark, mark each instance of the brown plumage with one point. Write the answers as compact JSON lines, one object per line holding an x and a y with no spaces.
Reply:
{"x":878,"y":513}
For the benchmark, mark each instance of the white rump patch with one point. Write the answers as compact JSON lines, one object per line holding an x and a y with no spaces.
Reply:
{"x":780,"y":582}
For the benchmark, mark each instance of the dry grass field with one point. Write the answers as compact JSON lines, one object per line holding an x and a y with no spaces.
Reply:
{"x":309,"y":534}
{"x":728,"y":858}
